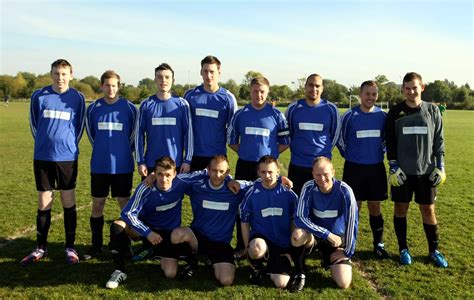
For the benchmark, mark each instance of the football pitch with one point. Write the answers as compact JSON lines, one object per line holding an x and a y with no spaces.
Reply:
{"x":53,"y":278}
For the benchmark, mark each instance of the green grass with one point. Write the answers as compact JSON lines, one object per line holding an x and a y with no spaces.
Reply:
{"x":372,"y":279}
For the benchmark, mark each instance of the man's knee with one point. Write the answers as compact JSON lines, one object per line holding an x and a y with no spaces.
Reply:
{"x":257,"y":248}
{"x":178,"y":235}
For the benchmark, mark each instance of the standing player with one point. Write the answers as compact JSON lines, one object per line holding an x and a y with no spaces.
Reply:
{"x":212,"y":108}
{"x":152,"y":213}
{"x":327,"y":219}
{"x":110,"y":124}
{"x":362,"y":144}
{"x":164,"y":125}
{"x":214,"y":208}
{"x":57,"y":121}
{"x":257,"y":129}
{"x":415,"y":150}
{"x":314,"y":130}
{"x":267,"y":215}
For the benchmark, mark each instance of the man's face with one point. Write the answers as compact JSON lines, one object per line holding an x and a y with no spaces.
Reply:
{"x":323,"y":174}
{"x":368,"y":96}
{"x":210,"y":75}
{"x":258,"y":94}
{"x":164,"y":178}
{"x":110,"y":88}
{"x":314,"y":88}
{"x":412,"y":91}
{"x":218,"y":172}
{"x":269,"y":174}
{"x":61,"y":77}
{"x":164,"y":80}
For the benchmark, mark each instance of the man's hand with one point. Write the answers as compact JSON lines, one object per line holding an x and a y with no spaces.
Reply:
{"x":154,"y":238}
{"x":397,"y":177}
{"x":438,"y":176}
{"x":287,"y":182}
{"x":334,"y":240}
{"x":338,"y":256}
{"x":149,"y":180}
{"x":143,"y":170}
{"x":185,"y":168}
{"x":234,"y":186}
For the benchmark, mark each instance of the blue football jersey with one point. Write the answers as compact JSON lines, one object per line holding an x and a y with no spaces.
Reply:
{"x":334,"y":212}
{"x":314,"y":130}
{"x":211,"y":114}
{"x":57,"y":123}
{"x":111,"y":131}
{"x":270,"y":212}
{"x":362,"y":138}
{"x":259,"y":132}
{"x":165,"y":128}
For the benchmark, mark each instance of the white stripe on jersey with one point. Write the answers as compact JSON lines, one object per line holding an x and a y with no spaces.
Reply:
{"x":415,"y":130}
{"x":325,"y":213}
{"x":215,"y":205}
{"x":207,"y":113}
{"x":272,"y":211}
{"x":257,"y":131}
{"x":311,"y":126}
{"x":167,"y":206}
{"x":163,"y":121}
{"x":110,"y":126}
{"x":367,"y":133}
{"x":57,"y":114}
{"x":283,"y":133}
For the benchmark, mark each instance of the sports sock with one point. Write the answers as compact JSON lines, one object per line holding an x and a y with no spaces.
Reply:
{"x":298,"y":255}
{"x":43,"y":222}
{"x":119,"y":246}
{"x":97,"y":225}
{"x":376,"y":224}
{"x":432,"y":235}
{"x":256,"y":264}
{"x":400,"y":225}
{"x":70,"y":221}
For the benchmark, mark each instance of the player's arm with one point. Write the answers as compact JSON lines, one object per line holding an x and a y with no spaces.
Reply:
{"x":245,"y":217}
{"x":343,"y":138}
{"x":140,"y":140}
{"x":283,"y":133}
{"x":233,"y":107}
{"x":34,"y":113}
{"x":188,"y":137}
{"x":133,"y":124}
{"x":81,"y":118}
{"x":351,"y":219}
{"x":233,"y":134}
{"x":397,"y":177}
{"x":335,"y":124}
{"x":90,"y":128}
{"x":438,"y":176}
{"x":130,"y":213}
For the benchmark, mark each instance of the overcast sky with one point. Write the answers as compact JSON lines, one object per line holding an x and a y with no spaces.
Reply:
{"x":347,"y":41}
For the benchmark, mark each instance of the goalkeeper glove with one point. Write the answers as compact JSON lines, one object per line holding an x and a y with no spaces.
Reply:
{"x":397,"y":177}
{"x":438,"y":176}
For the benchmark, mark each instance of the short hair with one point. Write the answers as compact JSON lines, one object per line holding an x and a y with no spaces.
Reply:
{"x":211,"y":60}
{"x":218,"y":159}
{"x":61,"y":63}
{"x":260,"y":81}
{"x":109,"y":74}
{"x":368,"y":83}
{"x":320,"y":159}
{"x":268,"y":159}
{"x":311,"y":76}
{"x":164,"y":66}
{"x":410,"y":76}
{"x":166,"y":163}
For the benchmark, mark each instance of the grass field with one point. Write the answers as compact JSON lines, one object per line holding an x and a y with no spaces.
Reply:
{"x":372,"y":279}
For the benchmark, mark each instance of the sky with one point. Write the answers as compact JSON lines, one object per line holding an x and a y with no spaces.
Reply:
{"x":347,"y":41}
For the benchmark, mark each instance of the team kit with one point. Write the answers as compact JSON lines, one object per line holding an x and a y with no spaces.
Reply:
{"x":179,"y":146}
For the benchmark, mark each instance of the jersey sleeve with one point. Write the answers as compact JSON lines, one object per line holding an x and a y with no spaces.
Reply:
{"x":34,"y":113}
{"x":303,"y":209}
{"x":351,"y":220}
{"x":187,"y":132}
{"x":130,"y":213}
{"x":288,"y":116}
{"x":140,"y":134}
{"x":390,"y":134}
{"x":134,"y":124}
{"x":90,"y":128}
{"x":81,"y":117}
{"x":283,"y":130}
{"x":335,"y":124}
{"x":343,"y":136}
{"x":233,"y":134}
{"x":438,"y":138}
{"x":232,"y":106}
{"x":246,"y":207}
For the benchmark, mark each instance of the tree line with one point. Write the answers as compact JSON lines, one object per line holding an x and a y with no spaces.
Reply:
{"x":22,"y":85}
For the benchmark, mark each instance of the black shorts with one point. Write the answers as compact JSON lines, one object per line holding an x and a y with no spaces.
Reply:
{"x":325,"y":249}
{"x":368,"y":182}
{"x":217,"y":252}
{"x":120,"y":184}
{"x":165,"y":248}
{"x":299,"y":176}
{"x":199,"y":163}
{"x":246,"y":170}
{"x":278,"y":261}
{"x":57,"y":175}
{"x":420,"y":185}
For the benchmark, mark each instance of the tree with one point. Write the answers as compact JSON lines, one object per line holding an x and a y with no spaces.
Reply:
{"x":149,"y":84}
{"x":437,"y":91}
{"x":334,"y":91}
{"x":93,"y":82}
{"x":232,"y":87}
{"x":83,"y":88}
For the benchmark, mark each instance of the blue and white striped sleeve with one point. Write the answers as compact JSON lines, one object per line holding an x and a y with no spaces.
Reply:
{"x":343,"y":137}
{"x":188,"y":132}
{"x":133,"y":127}
{"x":140,"y":134}
{"x":302,"y":219}
{"x":335,"y":124}
{"x":233,"y":107}
{"x":283,"y":130}
{"x":81,"y":118}
{"x":90,"y":128}
{"x":289,"y":115}
{"x":131,"y":211}
{"x":245,"y":208}
{"x":34,"y":111}
{"x":233,"y":134}
{"x":351,"y":219}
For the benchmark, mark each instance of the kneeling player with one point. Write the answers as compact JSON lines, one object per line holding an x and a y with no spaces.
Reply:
{"x":152,"y":212}
{"x":326,"y":209}
{"x":266,"y":214}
